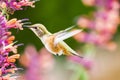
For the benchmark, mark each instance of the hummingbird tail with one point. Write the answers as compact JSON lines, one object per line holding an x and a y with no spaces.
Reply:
{"x":76,"y":54}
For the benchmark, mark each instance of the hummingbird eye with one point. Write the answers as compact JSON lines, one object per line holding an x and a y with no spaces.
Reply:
{"x":35,"y":27}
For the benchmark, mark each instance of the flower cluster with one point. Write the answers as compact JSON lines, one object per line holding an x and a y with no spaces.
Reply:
{"x":7,"y":44}
{"x":13,"y":5}
{"x":102,"y":26}
{"x":38,"y":63}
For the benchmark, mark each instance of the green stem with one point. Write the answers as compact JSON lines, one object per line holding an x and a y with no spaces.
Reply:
{"x":4,"y":12}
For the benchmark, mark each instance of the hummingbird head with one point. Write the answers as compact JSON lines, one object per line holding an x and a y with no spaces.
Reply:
{"x":39,"y":29}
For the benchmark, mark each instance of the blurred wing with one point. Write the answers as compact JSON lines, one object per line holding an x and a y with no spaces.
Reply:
{"x":64,"y":31}
{"x":62,"y":36}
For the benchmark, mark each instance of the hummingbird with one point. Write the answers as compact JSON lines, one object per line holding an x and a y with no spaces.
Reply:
{"x":54,"y":43}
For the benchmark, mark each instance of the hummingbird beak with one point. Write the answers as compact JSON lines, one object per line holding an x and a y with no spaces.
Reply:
{"x":28,"y":26}
{"x":31,"y":27}
{"x":34,"y":28}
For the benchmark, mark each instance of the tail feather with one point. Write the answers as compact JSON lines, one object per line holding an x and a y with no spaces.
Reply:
{"x":76,"y":54}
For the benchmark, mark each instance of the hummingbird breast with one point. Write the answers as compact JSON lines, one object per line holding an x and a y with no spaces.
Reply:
{"x":56,"y":48}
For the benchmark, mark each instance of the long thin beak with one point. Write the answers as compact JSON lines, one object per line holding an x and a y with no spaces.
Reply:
{"x":28,"y":26}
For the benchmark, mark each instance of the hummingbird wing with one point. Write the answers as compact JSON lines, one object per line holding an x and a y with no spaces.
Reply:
{"x":62,"y":31}
{"x":64,"y":35}
{"x":68,"y":48}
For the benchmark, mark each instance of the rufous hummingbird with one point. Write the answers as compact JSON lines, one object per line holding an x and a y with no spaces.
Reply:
{"x":54,"y":42}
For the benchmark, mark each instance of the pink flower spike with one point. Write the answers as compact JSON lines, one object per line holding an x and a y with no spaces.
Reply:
{"x":85,"y":62}
{"x":7,"y":44}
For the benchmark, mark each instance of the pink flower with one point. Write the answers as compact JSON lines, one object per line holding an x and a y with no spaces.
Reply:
{"x":7,"y":44}
{"x":84,"y":62}
{"x":13,"y":5}
{"x":37,"y":63}
{"x":102,"y":26}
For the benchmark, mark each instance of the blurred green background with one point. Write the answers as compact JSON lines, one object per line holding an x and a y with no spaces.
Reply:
{"x":56,"y":15}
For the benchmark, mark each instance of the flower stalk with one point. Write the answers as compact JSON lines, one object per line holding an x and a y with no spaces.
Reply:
{"x":7,"y":43}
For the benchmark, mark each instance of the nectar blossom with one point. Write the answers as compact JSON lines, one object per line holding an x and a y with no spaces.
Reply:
{"x":102,"y":26}
{"x":7,"y":43}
